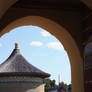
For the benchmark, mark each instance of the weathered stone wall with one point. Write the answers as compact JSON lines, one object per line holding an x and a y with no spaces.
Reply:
{"x":20,"y":87}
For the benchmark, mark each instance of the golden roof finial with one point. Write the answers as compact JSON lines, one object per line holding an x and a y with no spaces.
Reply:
{"x":16,"y":45}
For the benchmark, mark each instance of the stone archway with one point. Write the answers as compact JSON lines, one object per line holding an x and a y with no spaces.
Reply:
{"x":64,"y":37}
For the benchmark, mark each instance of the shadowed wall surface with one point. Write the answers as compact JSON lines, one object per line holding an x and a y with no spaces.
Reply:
{"x":20,"y":87}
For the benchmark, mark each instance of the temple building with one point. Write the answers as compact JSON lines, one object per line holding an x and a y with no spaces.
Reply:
{"x":18,"y":75}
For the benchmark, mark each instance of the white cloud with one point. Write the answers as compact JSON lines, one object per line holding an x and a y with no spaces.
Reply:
{"x":45,"y":34}
{"x":55,"y":45}
{"x":36,"y":43}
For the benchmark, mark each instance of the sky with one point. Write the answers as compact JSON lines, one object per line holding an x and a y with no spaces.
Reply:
{"x":40,"y":48}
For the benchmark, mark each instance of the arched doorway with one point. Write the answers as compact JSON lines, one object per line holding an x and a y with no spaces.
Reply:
{"x":64,"y":37}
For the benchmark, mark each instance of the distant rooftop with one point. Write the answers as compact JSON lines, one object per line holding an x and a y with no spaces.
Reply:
{"x":16,"y":64}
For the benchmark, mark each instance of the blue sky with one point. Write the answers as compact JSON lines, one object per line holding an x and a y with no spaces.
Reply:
{"x":40,"y":48}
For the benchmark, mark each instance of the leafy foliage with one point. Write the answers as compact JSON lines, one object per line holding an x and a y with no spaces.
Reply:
{"x":49,"y":83}
{"x":52,"y":84}
{"x":64,"y":85}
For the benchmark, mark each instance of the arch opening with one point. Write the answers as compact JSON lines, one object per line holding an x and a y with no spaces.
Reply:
{"x":35,"y":43}
{"x":64,"y":37}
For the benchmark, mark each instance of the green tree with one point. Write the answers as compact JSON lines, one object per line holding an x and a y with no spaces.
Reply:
{"x":64,"y":85}
{"x":53,"y":83}
{"x":69,"y":87}
{"x":49,"y":83}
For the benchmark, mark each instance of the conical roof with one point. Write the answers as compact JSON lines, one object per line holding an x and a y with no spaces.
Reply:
{"x":16,"y":64}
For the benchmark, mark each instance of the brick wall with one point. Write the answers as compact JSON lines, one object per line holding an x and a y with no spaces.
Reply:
{"x":87,"y":31}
